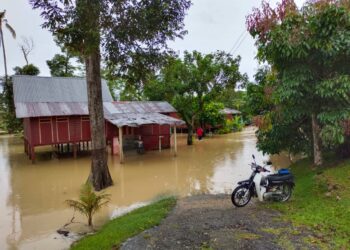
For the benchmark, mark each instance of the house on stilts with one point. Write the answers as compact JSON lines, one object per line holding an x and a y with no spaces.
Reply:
{"x":55,"y":112}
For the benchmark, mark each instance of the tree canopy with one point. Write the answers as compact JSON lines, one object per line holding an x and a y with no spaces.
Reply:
{"x":309,"y":50}
{"x":193,"y":82}
{"x":28,"y":69}
{"x":120,"y":32}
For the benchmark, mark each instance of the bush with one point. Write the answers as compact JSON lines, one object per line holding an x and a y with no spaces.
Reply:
{"x":234,"y":125}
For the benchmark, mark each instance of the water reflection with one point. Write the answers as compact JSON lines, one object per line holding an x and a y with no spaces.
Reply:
{"x":32,"y":196}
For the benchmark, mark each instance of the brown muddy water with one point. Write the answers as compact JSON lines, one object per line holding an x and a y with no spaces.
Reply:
{"x":32,"y":196}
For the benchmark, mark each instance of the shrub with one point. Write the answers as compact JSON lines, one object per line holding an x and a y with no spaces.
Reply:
{"x":234,"y":125}
{"x":89,"y":202}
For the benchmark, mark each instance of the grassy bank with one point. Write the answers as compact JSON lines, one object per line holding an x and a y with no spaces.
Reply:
{"x":321,"y":201}
{"x":118,"y":230}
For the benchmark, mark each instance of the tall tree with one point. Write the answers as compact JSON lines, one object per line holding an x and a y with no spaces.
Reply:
{"x":60,"y":65}
{"x":28,"y":69}
{"x":3,"y":21}
{"x":8,"y":105}
{"x":309,"y":49}
{"x":119,"y":29}
{"x":196,"y":80}
{"x":27,"y":47}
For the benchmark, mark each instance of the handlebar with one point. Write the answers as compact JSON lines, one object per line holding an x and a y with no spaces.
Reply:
{"x":258,"y":167}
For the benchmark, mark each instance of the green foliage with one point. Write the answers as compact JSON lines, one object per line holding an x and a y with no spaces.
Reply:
{"x":327,"y":216}
{"x":7,"y":107}
{"x":232,"y":125}
{"x":120,"y":229}
{"x":308,"y":50}
{"x":10,"y":123}
{"x":132,"y":34}
{"x":212,"y":114}
{"x":29,"y":69}
{"x":89,"y":202}
{"x":258,"y":98}
{"x":60,"y":65}
{"x":193,"y":82}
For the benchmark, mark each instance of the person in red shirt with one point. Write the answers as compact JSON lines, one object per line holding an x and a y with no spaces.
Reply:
{"x":199,"y":133}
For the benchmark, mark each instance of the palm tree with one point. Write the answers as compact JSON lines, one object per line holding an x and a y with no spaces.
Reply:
{"x":89,"y":202}
{"x":3,"y":20}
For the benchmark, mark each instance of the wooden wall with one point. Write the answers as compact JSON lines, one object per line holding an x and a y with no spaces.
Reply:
{"x":55,"y":130}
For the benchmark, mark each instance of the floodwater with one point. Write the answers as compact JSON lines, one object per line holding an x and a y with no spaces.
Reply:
{"x":32,"y":196}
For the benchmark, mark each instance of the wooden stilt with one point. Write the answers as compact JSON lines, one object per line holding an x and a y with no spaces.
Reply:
{"x":121,"y":152}
{"x":112,"y":148}
{"x":32,"y":154}
{"x":160,"y":143}
{"x":75,"y":149}
{"x":175,"y":142}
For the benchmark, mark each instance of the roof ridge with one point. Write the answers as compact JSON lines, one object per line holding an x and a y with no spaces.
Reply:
{"x":64,"y":77}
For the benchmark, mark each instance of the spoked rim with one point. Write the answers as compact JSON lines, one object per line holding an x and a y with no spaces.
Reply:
{"x":286,"y":193}
{"x":242,"y":196}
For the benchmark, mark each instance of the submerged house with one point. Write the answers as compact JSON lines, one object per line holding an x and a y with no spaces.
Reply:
{"x":230,"y":113}
{"x":55,"y":112}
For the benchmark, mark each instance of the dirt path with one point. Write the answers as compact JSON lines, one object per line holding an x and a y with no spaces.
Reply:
{"x":211,"y":222}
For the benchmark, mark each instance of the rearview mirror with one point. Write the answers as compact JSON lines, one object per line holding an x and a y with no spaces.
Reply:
{"x":253,"y":156}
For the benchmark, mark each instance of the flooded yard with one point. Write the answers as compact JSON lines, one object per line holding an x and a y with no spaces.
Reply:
{"x":32,"y":196}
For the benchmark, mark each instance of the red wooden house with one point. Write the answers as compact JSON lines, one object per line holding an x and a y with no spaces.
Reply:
{"x":55,"y":112}
{"x":149,"y":121}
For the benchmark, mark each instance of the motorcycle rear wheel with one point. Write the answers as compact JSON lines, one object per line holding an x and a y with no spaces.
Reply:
{"x":241,"y":196}
{"x":286,"y":192}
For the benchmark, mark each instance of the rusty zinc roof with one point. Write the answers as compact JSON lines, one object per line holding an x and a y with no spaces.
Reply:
{"x":140,"y":107}
{"x":138,"y":119}
{"x":36,"y":96}
{"x":134,"y":114}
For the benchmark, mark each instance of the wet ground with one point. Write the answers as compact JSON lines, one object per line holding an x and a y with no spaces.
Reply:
{"x":210,"y":222}
{"x":32,"y":196}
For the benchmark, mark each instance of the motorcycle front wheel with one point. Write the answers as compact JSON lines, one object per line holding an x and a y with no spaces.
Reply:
{"x":241,"y":196}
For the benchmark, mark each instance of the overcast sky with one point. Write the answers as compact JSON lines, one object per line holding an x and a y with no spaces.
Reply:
{"x":212,"y":25}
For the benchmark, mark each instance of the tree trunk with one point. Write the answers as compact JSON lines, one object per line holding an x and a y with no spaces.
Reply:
{"x":318,"y":159}
{"x":3,"y":52}
{"x":90,"y":220}
{"x":189,"y":134}
{"x":99,"y":175}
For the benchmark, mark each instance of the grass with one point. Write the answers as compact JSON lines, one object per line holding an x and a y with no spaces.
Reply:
{"x":113,"y":233}
{"x":321,"y":202}
{"x":248,"y":236}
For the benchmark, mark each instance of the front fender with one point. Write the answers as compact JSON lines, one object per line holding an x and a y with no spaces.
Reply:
{"x":245,"y":182}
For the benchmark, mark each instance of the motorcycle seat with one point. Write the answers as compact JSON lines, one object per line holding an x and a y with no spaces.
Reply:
{"x":279,"y":178}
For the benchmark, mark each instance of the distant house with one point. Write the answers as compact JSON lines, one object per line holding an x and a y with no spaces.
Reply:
{"x":55,"y":112}
{"x":150,"y":120}
{"x":230,"y":113}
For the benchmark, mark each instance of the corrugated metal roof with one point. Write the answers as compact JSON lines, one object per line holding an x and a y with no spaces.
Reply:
{"x":31,"y":109}
{"x":229,"y":111}
{"x":59,"y":96}
{"x":53,"y":89}
{"x":140,"y":107}
{"x":138,"y":119}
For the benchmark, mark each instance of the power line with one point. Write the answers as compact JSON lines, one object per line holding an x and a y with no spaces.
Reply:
{"x":245,"y":36}
{"x":237,"y":41}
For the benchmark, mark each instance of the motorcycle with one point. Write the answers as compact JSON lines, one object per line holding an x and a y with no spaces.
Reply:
{"x":264,"y":184}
